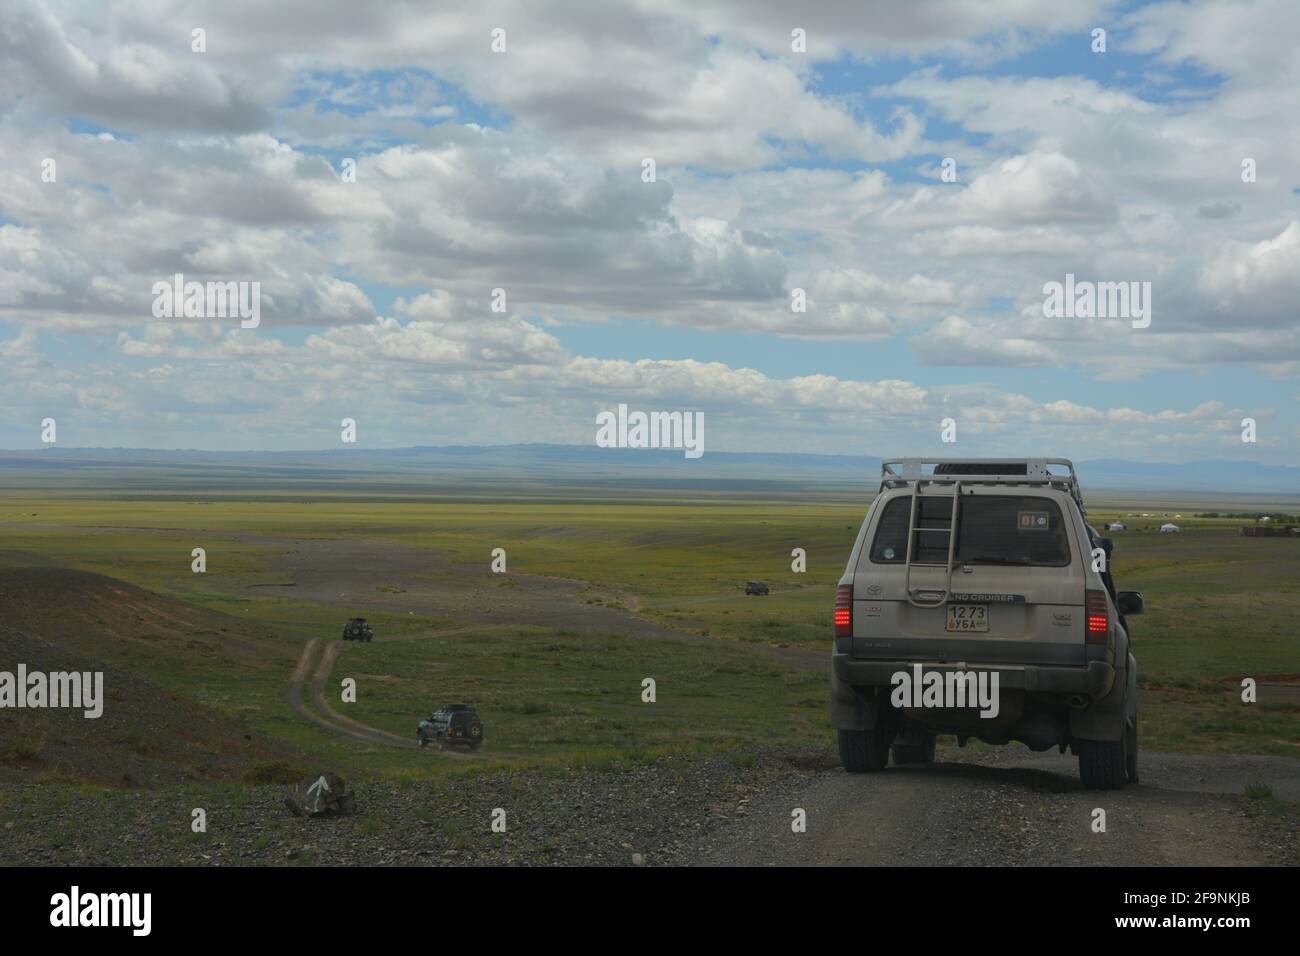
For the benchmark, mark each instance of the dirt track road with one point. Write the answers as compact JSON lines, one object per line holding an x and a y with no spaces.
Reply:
{"x":324,"y":716}
{"x":317,"y":709}
{"x":1014,"y":807}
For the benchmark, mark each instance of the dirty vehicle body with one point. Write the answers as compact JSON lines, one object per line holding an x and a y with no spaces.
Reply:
{"x":976,"y":570}
{"x":356,"y":629}
{"x":456,"y":725}
{"x":756,"y":587}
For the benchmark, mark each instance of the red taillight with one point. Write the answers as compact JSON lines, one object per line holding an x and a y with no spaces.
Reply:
{"x":1098,"y":618}
{"x":844,"y":611}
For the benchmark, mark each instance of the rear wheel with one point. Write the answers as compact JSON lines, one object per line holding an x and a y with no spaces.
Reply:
{"x":1103,"y":763}
{"x":865,"y":751}
{"x":922,"y":752}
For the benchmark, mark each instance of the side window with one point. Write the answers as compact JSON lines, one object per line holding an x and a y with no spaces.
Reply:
{"x":890,"y":543}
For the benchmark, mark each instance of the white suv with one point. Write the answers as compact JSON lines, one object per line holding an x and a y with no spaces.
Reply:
{"x":978,"y":601}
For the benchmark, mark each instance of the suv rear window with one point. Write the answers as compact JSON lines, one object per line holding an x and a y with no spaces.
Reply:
{"x":991,"y":529}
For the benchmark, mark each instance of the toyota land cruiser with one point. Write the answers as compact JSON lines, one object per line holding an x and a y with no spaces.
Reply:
{"x":983,"y":573}
{"x":453,"y":726}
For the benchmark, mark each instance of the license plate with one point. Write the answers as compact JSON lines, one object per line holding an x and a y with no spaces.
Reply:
{"x":968,"y":617}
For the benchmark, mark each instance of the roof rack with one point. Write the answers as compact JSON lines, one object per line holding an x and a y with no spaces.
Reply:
{"x":959,"y":472}
{"x":899,"y":472}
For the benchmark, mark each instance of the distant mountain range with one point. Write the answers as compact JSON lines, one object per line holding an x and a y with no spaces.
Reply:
{"x":579,"y":464}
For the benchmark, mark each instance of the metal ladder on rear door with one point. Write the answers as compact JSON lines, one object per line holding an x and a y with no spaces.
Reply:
{"x":912,"y":529}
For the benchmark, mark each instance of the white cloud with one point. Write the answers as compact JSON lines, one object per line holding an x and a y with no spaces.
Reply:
{"x":957,"y":341}
{"x":1256,"y":282}
{"x":522,"y":171}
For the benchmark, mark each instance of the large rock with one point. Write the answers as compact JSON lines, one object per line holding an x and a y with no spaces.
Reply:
{"x":321,"y":796}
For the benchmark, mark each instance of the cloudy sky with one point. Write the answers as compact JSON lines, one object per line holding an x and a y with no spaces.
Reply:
{"x":775,"y":171}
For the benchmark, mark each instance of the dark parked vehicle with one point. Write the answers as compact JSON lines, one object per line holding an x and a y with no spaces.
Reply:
{"x":356,"y":629}
{"x":755,"y":587}
{"x":456,"y":725}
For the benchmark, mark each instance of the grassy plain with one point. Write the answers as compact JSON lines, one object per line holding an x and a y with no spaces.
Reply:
{"x":1220,"y":607}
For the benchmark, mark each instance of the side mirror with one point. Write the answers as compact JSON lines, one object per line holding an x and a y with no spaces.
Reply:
{"x":1130,"y":602}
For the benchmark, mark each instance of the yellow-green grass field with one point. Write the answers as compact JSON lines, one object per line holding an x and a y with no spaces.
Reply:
{"x":1220,"y":607}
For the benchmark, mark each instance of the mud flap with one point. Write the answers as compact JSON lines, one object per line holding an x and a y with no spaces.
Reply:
{"x":1107,"y":718}
{"x":854,"y":708}
{"x":848,"y":709}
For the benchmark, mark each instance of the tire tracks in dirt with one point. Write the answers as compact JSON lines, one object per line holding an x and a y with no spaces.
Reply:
{"x":294,"y":697}
{"x":326,"y":717}
{"x":298,"y":694}
{"x":356,"y":728}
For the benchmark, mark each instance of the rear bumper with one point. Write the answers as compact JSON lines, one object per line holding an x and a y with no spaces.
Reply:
{"x":1094,"y":678}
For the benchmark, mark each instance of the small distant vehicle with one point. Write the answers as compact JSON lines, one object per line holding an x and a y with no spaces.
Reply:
{"x":756,"y":587}
{"x":456,"y":725}
{"x":356,"y":629}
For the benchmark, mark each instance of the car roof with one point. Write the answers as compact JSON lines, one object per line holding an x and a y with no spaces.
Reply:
{"x":981,"y":472}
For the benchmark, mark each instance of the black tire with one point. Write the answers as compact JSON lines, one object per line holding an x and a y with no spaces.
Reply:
{"x":914,"y":753}
{"x":864,"y":751}
{"x":1131,"y":752}
{"x":1102,"y":763}
{"x":424,"y":741}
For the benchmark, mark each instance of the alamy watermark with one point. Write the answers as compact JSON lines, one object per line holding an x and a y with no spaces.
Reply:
{"x":179,"y":299}
{"x":626,"y":429}
{"x":76,"y":908}
{"x":37,"y":689}
{"x":1098,"y":300}
{"x":950,"y":690}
